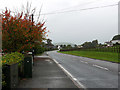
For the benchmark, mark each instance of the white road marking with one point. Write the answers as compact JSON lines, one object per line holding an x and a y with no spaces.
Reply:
{"x":47,"y":60}
{"x":100,"y":67}
{"x":75,"y":79}
{"x":81,"y":61}
{"x":96,"y":65}
{"x":50,"y":62}
{"x":70,"y":75}
{"x":84,"y":62}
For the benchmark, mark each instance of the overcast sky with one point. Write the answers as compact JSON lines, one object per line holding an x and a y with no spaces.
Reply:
{"x":68,"y":22}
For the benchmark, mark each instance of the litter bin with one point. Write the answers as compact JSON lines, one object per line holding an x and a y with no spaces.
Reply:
{"x":28,"y":66}
{"x":32,"y":55}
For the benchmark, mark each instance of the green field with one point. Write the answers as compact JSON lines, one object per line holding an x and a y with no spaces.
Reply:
{"x":108,"y":56}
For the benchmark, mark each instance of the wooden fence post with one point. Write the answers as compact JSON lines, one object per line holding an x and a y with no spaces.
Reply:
{"x":118,"y":51}
{"x":114,"y":49}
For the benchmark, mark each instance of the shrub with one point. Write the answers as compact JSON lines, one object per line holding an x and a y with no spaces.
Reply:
{"x":19,"y":32}
{"x":38,"y":49}
{"x":12,"y":58}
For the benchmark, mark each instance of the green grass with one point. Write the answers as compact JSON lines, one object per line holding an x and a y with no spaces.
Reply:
{"x":108,"y":56}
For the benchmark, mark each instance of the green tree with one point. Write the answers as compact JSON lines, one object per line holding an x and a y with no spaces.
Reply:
{"x":75,"y":46}
{"x":64,"y":46}
{"x":69,"y":46}
{"x":94,"y":43}
{"x":87,"y":45}
{"x":49,"y":42}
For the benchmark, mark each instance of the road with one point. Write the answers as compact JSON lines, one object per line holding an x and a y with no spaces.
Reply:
{"x":90,"y":73}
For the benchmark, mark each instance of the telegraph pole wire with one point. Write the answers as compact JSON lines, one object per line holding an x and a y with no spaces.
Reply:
{"x":83,"y":9}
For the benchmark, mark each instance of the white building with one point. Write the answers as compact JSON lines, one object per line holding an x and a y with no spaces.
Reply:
{"x":59,"y":48}
{"x":115,"y":41}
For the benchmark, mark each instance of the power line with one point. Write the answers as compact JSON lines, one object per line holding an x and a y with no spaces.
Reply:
{"x":83,"y":9}
{"x":82,"y":4}
{"x":78,"y":10}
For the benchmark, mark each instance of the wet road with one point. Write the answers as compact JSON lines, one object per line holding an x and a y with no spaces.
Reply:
{"x":89,"y":72}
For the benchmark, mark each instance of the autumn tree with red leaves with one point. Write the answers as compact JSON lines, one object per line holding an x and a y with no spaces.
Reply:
{"x":19,"y":32}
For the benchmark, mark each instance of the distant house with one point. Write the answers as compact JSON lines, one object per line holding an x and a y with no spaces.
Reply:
{"x":112,"y":42}
{"x":115,"y":41}
{"x":59,"y":47}
{"x":80,"y":46}
{"x":109,"y":44}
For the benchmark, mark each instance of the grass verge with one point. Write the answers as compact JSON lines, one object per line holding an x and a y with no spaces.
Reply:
{"x":108,"y":56}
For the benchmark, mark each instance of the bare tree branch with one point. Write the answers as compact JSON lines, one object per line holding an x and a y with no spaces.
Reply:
{"x":39,"y":13}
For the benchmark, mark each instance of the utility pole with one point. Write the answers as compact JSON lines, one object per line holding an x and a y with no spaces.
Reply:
{"x":32,"y":19}
{"x":33,"y":47}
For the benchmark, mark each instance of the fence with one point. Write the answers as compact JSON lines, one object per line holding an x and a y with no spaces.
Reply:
{"x":115,"y":49}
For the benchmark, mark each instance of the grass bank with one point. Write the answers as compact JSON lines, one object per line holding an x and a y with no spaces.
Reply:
{"x":108,"y":56}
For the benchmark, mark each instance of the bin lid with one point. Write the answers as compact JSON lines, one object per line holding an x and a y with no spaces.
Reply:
{"x":29,"y":52}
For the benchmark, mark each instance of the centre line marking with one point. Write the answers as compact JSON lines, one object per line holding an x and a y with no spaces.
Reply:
{"x":84,"y":62}
{"x":81,"y":61}
{"x":100,"y":67}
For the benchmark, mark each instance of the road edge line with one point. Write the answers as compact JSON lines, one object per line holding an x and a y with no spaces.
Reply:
{"x":75,"y":81}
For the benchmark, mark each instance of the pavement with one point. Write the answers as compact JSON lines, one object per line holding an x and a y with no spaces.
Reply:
{"x":47,"y":74}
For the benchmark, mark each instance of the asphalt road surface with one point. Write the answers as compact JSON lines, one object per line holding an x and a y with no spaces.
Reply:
{"x":90,"y":73}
